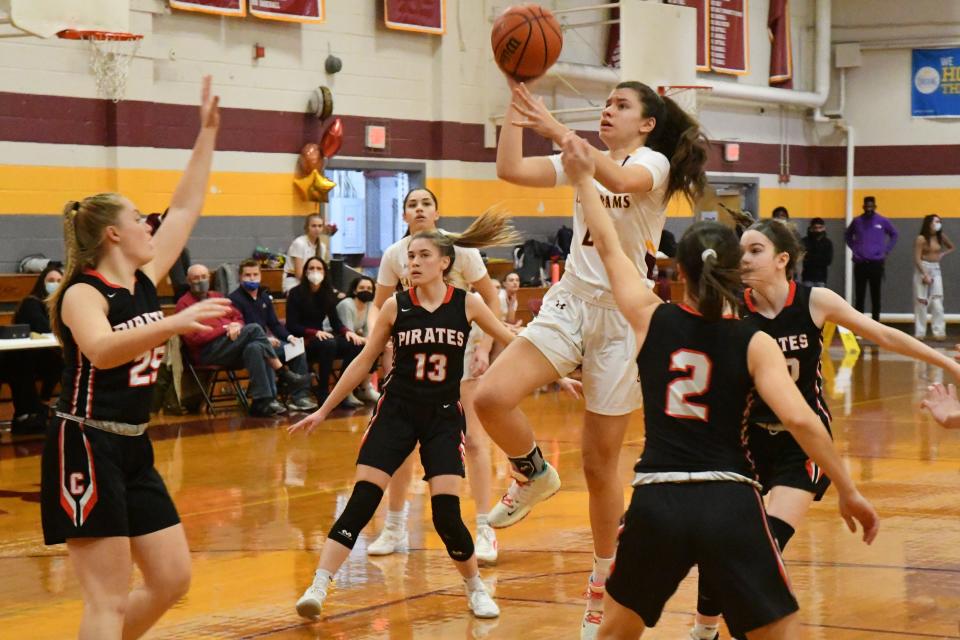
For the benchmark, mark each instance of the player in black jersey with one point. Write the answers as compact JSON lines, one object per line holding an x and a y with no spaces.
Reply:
{"x":695,"y":498}
{"x":429,"y":324}
{"x":100,"y":491}
{"x":794,"y":315}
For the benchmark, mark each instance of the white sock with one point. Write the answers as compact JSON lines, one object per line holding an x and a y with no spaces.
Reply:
{"x":601,"y":569}
{"x":321,"y":579}
{"x":704,"y":631}
{"x":398,"y":519}
{"x":482,"y":520}
{"x":474,"y":583}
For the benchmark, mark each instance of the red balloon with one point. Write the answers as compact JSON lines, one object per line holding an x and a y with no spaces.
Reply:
{"x":332,"y":139}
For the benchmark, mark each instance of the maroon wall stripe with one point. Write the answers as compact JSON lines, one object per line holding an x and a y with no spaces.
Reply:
{"x":87,"y":121}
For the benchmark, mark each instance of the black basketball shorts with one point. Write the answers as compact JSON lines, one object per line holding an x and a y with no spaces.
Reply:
{"x":720,"y":526}
{"x":780,"y":462}
{"x":97,"y":484}
{"x":397,"y":425}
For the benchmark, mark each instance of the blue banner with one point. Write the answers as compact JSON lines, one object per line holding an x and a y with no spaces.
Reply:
{"x":936,"y":83}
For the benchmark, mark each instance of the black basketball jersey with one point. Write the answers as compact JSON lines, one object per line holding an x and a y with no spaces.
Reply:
{"x":428,"y":347}
{"x":802,"y":343}
{"x":124,"y":393}
{"x":696,"y":386}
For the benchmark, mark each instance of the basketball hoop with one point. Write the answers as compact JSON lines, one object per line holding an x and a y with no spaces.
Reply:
{"x":110,"y":56}
{"x":685,"y":95}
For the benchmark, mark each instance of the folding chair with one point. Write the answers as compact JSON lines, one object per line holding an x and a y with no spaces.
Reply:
{"x":209,"y":390}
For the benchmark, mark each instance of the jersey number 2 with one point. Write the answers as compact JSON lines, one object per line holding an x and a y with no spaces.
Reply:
{"x":695,"y":383}
{"x":143,"y":371}
{"x":438,"y":367}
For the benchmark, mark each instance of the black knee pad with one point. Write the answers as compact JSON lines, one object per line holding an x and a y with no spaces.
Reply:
{"x":449,"y":525}
{"x":782,"y":532}
{"x":358,"y":512}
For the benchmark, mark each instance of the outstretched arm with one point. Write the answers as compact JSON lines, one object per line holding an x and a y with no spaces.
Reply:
{"x":827,"y":305}
{"x":187,"y":202}
{"x":511,"y":165}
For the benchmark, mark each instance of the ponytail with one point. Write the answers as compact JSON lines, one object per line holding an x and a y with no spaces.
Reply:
{"x":492,"y":228}
{"x":678,"y":136}
{"x":709,"y":255}
{"x":84,"y":223}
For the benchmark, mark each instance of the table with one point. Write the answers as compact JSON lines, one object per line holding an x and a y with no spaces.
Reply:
{"x":45,"y":341}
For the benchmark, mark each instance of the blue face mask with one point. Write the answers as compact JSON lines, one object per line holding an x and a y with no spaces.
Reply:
{"x":249,"y":285}
{"x":51,"y":287}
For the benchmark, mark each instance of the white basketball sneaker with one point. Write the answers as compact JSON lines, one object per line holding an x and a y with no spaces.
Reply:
{"x":481,"y":604}
{"x":310,"y":603}
{"x":390,"y":540}
{"x":485,"y":547}
{"x":521,"y":497}
{"x":593,"y":616}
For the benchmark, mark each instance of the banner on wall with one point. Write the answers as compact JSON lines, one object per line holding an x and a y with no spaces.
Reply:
{"x":425,"y":16}
{"x":703,"y":29}
{"x":781,"y":51}
{"x":936,"y":83}
{"x":237,"y":8}
{"x":312,"y":11}
{"x":729,"y":43}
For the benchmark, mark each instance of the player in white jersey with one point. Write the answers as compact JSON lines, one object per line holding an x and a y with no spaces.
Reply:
{"x":421,"y":214}
{"x":655,"y":150}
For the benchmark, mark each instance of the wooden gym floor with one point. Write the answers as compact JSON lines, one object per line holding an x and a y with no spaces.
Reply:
{"x":257,"y":504}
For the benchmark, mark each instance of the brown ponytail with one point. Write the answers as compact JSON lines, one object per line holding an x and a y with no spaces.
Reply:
{"x":84,"y":223}
{"x":492,"y":228}
{"x":677,"y":136}
{"x":710,"y":257}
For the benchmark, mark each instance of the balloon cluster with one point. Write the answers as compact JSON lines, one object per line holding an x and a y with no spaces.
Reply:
{"x":314,"y":185}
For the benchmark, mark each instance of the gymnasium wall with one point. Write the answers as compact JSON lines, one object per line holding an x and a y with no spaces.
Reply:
{"x":58,"y":141}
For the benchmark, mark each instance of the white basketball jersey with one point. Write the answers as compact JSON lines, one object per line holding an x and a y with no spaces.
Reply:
{"x":467,"y":268}
{"x":638,"y":218}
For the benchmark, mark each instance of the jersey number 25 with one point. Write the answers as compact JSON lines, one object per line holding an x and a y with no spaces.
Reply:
{"x":143,"y":371}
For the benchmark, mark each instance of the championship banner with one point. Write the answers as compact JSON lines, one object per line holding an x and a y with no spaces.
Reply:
{"x":235,"y":8}
{"x":703,"y":30}
{"x":781,"y":51}
{"x":729,"y":44}
{"x":936,"y":83}
{"x":311,"y":11}
{"x":425,"y":16}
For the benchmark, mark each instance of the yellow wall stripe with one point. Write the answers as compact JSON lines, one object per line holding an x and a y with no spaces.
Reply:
{"x":43,"y":190}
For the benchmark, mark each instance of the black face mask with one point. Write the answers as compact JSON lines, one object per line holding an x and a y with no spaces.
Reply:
{"x":365,"y":296}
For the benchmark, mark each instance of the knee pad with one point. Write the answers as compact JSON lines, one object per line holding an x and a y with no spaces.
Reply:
{"x":357,"y":514}
{"x":449,"y":525}
{"x":782,"y":532}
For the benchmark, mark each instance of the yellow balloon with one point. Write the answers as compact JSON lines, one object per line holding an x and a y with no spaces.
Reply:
{"x":314,"y":186}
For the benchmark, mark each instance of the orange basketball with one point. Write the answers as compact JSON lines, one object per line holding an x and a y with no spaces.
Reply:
{"x":526,"y":41}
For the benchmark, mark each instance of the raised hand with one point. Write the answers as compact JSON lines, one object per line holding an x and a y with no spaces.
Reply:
{"x":209,"y":106}
{"x":533,"y":114}
{"x":576,"y":158}
{"x":191,"y":319}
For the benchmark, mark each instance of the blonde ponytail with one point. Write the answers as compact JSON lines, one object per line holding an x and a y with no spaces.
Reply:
{"x":84,"y":223}
{"x":492,"y":228}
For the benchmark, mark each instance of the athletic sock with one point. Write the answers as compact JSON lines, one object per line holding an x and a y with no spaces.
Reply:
{"x":530,"y":464}
{"x":398,"y":519}
{"x":474,"y":583}
{"x":704,"y":631}
{"x":482,"y":520}
{"x":321,"y":579}
{"x":601,"y":569}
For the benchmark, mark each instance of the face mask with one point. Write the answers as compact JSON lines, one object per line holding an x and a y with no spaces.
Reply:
{"x":200,"y":286}
{"x":315,"y":278}
{"x":250,"y":285}
{"x":365,"y":296}
{"x":936,"y":226}
{"x":51,"y":287}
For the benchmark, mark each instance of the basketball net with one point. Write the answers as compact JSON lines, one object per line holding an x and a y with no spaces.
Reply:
{"x":110,"y":58}
{"x":686,"y":96}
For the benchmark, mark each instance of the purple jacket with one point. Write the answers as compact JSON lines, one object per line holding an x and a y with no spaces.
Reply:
{"x":870,"y":238}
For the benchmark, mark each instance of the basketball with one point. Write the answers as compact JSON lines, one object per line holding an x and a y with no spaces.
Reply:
{"x":526,"y":41}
